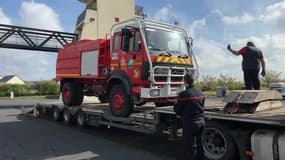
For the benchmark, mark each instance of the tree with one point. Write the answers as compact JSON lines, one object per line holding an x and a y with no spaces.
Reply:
{"x":209,"y":82}
{"x":271,"y":77}
{"x":46,"y":87}
{"x":225,"y":80}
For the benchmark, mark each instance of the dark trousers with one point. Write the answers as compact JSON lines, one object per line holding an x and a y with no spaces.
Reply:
{"x":192,"y":138}
{"x":251,"y":79}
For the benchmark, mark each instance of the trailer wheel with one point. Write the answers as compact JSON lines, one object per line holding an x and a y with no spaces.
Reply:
{"x":120,"y":103}
{"x":67,"y":117}
{"x":218,"y":143}
{"x":56,"y":114}
{"x":72,"y":94}
{"x":81,"y":119}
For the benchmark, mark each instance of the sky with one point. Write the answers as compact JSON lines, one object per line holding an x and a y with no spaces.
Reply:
{"x":213,"y":24}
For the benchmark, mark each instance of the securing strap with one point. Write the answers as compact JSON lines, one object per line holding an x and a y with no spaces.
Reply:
{"x":190,"y":98}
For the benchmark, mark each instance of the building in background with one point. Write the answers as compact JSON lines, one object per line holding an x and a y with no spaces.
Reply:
{"x":99,"y":15}
{"x":12,"y":79}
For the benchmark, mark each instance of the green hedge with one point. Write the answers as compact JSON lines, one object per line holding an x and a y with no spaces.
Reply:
{"x":31,"y":88}
{"x":46,"y":88}
{"x":19,"y":90}
{"x":213,"y":85}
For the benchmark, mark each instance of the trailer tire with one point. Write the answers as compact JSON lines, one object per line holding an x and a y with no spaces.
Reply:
{"x":67,"y":117}
{"x":120,"y":103}
{"x":72,"y":94}
{"x":81,"y":119}
{"x":218,"y":144}
{"x":56,"y":114}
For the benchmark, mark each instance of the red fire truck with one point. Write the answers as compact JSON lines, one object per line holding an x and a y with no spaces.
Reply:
{"x":141,"y":61}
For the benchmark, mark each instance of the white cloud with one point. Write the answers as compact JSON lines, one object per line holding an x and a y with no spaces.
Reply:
{"x":163,"y":14}
{"x":275,"y":14}
{"x":244,"y":19}
{"x":29,"y":65}
{"x":39,"y":15}
{"x":3,"y":18}
{"x":218,"y":12}
{"x":214,"y":59}
{"x":196,"y":26}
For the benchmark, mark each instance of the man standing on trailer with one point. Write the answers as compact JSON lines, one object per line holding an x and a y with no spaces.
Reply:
{"x":190,"y":109}
{"x":251,"y":59}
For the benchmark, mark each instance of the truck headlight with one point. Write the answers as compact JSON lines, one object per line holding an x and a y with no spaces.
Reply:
{"x":154,"y":92}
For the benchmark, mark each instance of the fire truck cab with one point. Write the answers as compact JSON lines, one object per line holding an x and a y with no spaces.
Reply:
{"x":142,"y":61}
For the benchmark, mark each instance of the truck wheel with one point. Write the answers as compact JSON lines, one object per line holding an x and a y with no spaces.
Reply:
{"x":56,"y":114}
{"x":67,"y":117}
{"x":81,"y":119}
{"x":218,"y":143}
{"x":72,"y":94}
{"x":103,"y":99}
{"x":162,"y":104}
{"x":120,"y":103}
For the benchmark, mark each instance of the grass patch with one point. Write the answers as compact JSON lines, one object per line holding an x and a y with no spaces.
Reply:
{"x":209,"y":93}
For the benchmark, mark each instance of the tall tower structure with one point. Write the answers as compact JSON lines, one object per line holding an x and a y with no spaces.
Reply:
{"x":99,"y":15}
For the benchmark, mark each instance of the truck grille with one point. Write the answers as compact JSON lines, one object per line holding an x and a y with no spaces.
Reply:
{"x":167,"y":75}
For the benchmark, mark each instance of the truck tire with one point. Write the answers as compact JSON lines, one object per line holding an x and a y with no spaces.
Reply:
{"x":218,"y":144}
{"x":162,"y":104}
{"x":120,"y":103}
{"x":72,"y":94}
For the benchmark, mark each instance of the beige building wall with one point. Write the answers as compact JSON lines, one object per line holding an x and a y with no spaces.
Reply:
{"x":100,"y":15}
{"x":89,"y":26}
{"x":15,"y":80}
{"x":109,"y":9}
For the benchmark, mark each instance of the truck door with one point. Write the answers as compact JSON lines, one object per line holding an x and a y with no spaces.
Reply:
{"x":127,"y":54}
{"x":134,"y":56}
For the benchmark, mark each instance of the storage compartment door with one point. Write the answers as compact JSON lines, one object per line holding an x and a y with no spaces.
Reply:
{"x":261,"y":144}
{"x":89,"y":63}
{"x":281,"y":146}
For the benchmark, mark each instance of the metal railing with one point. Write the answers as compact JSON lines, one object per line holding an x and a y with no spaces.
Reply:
{"x":17,"y":37}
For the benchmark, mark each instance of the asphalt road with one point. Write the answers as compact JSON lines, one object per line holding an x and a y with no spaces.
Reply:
{"x":23,"y":138}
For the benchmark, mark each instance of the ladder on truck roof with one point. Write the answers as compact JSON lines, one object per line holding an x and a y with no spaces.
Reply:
{"x":17,"y":37}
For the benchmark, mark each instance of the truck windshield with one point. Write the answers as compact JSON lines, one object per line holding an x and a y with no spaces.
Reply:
{"x":166,"y":42}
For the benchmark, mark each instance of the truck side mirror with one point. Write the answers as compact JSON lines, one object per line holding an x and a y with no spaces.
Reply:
{"x":191,"y":41}
{"x":126,"y":36}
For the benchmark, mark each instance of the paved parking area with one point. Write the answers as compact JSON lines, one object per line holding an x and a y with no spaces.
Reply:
{"x":23,"y":138}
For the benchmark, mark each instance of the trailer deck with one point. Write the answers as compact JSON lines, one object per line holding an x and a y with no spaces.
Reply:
{"x":150,"y":114}
{"x":148,"y":119}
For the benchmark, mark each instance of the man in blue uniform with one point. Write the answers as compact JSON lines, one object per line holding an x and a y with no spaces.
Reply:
{"x":190,"y":109}
{"x":252,"y":57}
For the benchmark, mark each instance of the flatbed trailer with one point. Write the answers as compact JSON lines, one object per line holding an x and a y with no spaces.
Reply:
{"x":244,"y":136}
